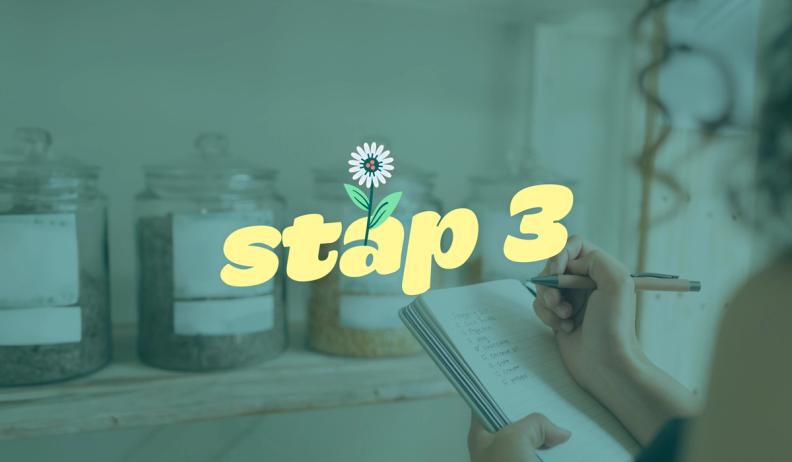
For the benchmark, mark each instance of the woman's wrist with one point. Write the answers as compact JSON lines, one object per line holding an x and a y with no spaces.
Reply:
{"x":641,"y":395}
{"x":623,"y":371}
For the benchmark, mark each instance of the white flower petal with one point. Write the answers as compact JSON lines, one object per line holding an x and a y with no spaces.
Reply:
{"x":386,"y":160}
{"x":358,"y":174}
{"x":362,"y":179}
{"x":354,"y":169}
{"x":361,"y":152}
{"x":354,"y":162}
{"x":366,"y":148}
{"x":383,"y":155}
{"x":373,"y":147}
{"x":375,"y":180}
{"x":387,"y":167}
{"x":380,"y":148}
{"x":356,"y":156}
{"x":386,"y":173}
{"x":378,"y":176}
{"x":368,"y":181}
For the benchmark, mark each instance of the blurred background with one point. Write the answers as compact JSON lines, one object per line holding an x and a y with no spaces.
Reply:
{"x":458,"y":87}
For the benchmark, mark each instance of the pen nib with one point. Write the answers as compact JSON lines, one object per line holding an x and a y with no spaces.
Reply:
{"x":551,"y":281}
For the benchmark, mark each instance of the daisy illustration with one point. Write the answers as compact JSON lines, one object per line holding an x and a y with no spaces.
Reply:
{"x":371,"y":165}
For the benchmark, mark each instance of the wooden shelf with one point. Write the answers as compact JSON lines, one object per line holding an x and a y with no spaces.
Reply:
{"x":129,"y":394}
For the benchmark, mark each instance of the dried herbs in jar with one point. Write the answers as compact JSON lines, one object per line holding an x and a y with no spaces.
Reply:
{"x":54,"y":300}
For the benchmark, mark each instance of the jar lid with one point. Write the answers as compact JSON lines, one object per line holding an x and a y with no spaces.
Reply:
{"x":211,"y":166}
{"x":521,"y":166}
{"x":31,"y":164}
{"x":535,"y":175}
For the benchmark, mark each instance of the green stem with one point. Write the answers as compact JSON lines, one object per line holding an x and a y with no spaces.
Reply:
{"x":371,"y":206}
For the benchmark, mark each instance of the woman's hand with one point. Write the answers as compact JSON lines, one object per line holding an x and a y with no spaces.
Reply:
{"x":595,"y":329}
{"x":517,"y":442}
{"x":596,"y":335}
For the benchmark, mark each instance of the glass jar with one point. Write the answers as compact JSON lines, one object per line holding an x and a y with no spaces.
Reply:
{"x":359,"y":316}
{"x":54,"y":299}
{"x":490,"y":198}
{"x":188,"y":318}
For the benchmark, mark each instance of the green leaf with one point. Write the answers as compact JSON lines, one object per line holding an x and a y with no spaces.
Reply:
{"x":384,"y":209}
{"x":358,"y":197}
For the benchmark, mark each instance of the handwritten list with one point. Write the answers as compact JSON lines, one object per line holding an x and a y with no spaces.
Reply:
{"x":513,"y":356}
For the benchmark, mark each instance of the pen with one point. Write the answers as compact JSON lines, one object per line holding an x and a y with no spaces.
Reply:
{"x":643,"y":281}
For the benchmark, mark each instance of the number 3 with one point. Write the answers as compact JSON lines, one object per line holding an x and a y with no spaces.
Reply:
{"x":555,"y":202}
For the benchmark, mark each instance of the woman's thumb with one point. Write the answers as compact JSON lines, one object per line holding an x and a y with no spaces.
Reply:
{"x":605,"y":270}
{"x":544,"y":433}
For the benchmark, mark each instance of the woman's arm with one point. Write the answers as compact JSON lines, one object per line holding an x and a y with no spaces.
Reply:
{"x":643,"y":397}
{"x":596,"y":334}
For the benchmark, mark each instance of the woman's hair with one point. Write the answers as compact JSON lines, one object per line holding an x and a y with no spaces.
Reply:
{"x":774,"y":163}
{"x":765,"y":202}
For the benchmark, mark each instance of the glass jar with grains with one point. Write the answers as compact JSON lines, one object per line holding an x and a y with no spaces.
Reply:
{"x":54,"y":300}
{"x":188,"y":318}
{"x":359,"y":316}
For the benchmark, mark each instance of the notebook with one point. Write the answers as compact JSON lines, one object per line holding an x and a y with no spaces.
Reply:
{"x":504,"y":362}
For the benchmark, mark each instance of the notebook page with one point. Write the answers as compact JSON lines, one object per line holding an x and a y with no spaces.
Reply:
{"x":440,"y":354}
{"x":493,"y":327}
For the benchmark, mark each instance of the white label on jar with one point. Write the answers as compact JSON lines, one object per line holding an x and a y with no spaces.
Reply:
{"x":40,"y":326}
{"x":38,"y":254}
{"x":372,"y":312}
{"x":224,"y":316}
{"x":198,"y":240}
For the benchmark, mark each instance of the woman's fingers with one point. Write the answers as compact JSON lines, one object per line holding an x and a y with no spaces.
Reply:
{"x":571,"y":251}
{"x":562,"y":310}
{"x":518,"y":441}
{"x":551,"y":298}
{"x":574,"y":248}
{"x":547,"y":317}
{"x":566,"y":306}
{"x":541,"y":432}
{"x":548,"y":295}
{"x":551,"y":319}
{"x":478,"y":436}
